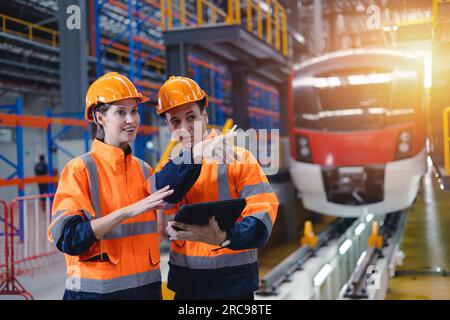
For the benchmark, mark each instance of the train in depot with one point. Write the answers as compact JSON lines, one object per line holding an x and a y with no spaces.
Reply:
{"x":358,"y":131}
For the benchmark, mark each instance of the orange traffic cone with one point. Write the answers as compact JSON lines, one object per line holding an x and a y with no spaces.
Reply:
{"x":309,"y":238}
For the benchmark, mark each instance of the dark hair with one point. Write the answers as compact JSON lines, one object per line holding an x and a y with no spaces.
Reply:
{"x":102,"y":108}
{"x":42,"y":157}
{"x":200,"y":103}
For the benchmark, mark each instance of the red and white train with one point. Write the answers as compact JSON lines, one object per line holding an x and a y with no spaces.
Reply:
{"x":358,"y":131}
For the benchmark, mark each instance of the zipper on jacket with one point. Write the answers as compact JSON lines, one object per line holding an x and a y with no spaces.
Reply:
{"x":134,"y":218}
{"x":126,"y":178}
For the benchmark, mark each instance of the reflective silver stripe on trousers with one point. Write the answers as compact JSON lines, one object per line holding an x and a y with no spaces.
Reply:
{"x":93,"y":179}
{"x":223,"y":186}
{"x":145,"y":168}
{"x":131,"y":229}
{"x":265,"y":218}
{"x":115,"y":284}
{"x":253,"y":189}
{"x":213,"y":262}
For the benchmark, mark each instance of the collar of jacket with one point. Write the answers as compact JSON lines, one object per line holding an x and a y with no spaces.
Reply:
{"x":111,"y":155}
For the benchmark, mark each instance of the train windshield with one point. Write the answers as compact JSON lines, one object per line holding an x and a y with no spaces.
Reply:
{"x":358,"y":99}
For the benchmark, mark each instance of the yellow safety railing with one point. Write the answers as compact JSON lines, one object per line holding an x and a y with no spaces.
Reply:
{"x":32,"y":32}
{"x":123,"y":56}
{"x":227,"y":126}
{"x":446,"y":131}
{"x":265,"y":18}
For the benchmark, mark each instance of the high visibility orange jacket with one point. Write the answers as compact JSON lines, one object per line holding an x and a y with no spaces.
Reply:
{"x":92,"y":186}
{"x":194,"y":266}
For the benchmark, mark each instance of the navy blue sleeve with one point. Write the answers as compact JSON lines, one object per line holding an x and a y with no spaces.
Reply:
{"x":180,"y":175}
{"x":248,"y":234}
{"x":77,"y":236}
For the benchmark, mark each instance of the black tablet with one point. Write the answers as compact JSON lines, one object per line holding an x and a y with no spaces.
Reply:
{"x":226,"y":212}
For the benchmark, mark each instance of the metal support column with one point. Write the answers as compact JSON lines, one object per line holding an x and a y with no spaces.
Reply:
{"x":73,"y":55}
{"x":98,"y":48}
{"x":131,"y":44}
{"x":176,"y":60}
{"x":318,"y":27}
{"x":284,"y":120}
{"x":20,"y":162}
{"x":239,"y":97}
{"x":334,"y":33}
{"x":51,"y":186}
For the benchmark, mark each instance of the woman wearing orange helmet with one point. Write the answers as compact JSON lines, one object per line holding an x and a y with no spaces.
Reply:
{"x":104,"y":217}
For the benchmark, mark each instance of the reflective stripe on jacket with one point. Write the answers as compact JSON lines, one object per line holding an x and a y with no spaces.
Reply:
{"x":92,"y":186}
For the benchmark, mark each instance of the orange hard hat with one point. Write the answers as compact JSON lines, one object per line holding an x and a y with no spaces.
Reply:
{"x":110,"y":87}
{"x":178,"y":91}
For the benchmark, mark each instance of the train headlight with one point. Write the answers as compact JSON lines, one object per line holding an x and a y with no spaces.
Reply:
{"x":303,"y":149}
{"x":403,"y":149}
{"x":405,"y":136}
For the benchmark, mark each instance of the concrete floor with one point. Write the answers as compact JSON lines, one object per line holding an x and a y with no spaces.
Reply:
{"x":426,"y":244}
{"x":49,"y":283}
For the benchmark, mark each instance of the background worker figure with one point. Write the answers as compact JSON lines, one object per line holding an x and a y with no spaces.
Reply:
{"x":104,"y":215}
{"x":40,"y":169}
{"x":198,"y":270}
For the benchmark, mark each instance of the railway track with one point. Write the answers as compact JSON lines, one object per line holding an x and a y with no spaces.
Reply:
{"x":341,"y":265}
